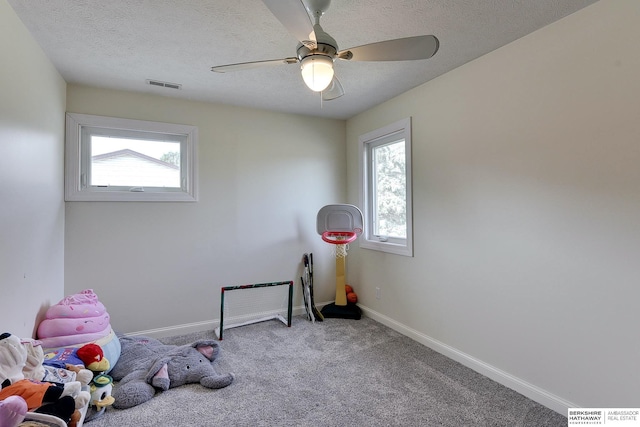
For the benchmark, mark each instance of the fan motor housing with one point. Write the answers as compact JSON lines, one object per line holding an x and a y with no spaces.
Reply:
{"x":321,"y":49}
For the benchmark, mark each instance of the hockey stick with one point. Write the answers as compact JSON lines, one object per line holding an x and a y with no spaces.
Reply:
{"x":314,"y":310}
{"x":304,"y":299}
{"x":306,"y":291}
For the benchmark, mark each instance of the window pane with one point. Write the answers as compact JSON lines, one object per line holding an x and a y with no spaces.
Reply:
{"x":390,"y":190}
{"x":385,"y":190}
{"x":110,"y":159}
{"x":134,"y":162}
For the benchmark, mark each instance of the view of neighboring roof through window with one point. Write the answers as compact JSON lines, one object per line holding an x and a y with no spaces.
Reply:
{"x":134,"y":162}
{"x":114,"y":159}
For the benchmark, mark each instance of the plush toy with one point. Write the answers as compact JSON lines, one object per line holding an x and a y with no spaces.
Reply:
{"x":36,"y":369}
{"x":89,"y":355}
{"x":93,"y":358}
{"x":68,"y":374}
{"x":60,"y":400}
{"x":78,"y":318}
{"x":12,"y":411}
{"x":101,"y":388}
{"x":146,"y":364}
{"x":101,"y":398}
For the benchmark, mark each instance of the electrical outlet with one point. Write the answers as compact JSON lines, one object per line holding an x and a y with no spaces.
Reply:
{"x":377,"y":293}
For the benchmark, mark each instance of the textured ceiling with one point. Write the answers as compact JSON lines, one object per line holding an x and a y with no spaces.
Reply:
{"x":120,"y":44}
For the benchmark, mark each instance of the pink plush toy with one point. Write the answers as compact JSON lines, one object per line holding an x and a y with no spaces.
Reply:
{"x":76,"y":319}
{"x":12,"y":411}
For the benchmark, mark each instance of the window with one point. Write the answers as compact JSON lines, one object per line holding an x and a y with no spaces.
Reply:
{"x":386,"y":189}
{"x":112,"y":159}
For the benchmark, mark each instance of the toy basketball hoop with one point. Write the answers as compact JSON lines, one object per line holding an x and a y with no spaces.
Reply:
{"x":340,"y":225}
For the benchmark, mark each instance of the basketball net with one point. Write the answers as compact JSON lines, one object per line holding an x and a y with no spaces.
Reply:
{"x":340,"y":250}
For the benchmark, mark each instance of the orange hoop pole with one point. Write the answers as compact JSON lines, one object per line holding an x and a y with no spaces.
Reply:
{"x":347,"y":237}
{"x":341,"y":293}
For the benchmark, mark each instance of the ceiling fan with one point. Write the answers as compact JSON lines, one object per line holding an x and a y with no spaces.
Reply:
{"x":317,"y":50}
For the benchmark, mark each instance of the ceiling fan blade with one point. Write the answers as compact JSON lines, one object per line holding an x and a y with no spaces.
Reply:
{"x":251,"y":65}
{"x":293,"y":15}
{"x":406,"y":49}
{"x":333,"y":91}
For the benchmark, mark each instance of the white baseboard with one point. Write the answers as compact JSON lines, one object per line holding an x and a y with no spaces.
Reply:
{"x":171,"y":331}
{"x":188,"y":328}
{"x":529,"y":390}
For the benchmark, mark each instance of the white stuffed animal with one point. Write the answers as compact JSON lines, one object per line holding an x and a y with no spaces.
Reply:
{"x":16,"y":366}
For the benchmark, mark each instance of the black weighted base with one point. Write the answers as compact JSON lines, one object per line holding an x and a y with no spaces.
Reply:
{"x":349,"y":311}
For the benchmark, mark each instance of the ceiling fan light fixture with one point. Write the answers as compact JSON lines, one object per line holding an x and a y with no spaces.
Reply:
{"x":317,"y":72}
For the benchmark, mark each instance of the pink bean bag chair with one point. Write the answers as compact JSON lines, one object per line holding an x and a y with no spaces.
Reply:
{"x":77,"y":320}
{"x":73,"y":325}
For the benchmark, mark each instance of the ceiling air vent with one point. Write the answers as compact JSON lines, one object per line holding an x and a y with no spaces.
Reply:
{"x":164,"y":84}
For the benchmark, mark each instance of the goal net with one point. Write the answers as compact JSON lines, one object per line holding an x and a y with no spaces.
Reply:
{"x":247,"y":304}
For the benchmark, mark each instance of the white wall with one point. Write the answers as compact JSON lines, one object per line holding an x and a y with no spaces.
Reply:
{"x":32,"y":103}
{"x":263,"y":178}
{"x":526,"y":212}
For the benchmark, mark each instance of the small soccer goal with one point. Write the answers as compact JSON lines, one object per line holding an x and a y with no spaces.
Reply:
{"x":247,"y":304}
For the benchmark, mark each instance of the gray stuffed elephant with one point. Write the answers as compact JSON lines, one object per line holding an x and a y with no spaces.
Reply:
{"x":146,"y":364}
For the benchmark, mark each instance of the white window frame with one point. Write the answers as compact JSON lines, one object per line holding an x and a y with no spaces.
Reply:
{"x":78,"y":159}
{"x":394,"y":131}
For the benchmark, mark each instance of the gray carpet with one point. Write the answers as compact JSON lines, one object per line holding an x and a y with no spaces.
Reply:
{"x":334,"y":373}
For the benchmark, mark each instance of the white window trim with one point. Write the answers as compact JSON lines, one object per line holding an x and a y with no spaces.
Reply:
{"x":367,"y":241}
{"x":76,"y":191}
